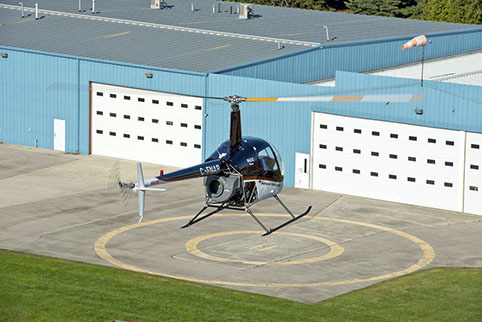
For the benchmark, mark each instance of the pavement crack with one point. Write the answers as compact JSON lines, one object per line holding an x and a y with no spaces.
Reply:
{"x":74,"y":227}
{"x":325,"y":208}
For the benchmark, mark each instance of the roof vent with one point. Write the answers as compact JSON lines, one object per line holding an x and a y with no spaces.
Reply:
{"x":246,"y":11}
{"x":158,"y":4}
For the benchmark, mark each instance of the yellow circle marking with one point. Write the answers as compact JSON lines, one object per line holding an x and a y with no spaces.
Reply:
{"x":428,"y":254}
{"x":335,"y":249}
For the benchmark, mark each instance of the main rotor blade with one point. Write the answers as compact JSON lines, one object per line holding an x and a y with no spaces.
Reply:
{"x":398,"y":98}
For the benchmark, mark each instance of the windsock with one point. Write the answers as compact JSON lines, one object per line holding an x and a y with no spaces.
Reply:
{"x":417,"y":41}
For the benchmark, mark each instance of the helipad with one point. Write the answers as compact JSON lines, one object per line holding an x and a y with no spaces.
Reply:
{"x":59,"y":205}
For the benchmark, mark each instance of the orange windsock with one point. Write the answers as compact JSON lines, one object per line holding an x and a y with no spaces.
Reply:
{"x":417,"y":41}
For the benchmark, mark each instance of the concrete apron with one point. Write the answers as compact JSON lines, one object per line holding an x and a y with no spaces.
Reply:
{"x":67,"y":206}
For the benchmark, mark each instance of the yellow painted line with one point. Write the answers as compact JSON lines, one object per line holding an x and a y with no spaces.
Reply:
{"x":115,"y":35}
{"x":291,"y":35}
{"x":335,"y":249}
{"x":195,"y":22}
{"x":428,"y":254}
{"x":216,"y":48}
{"x":263,"y":247}
{"x":13,"y":23}
{"x":267,"y":248}
{"x":258,"y":246}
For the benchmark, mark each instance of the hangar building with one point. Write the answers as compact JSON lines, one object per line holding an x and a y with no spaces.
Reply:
{"x":128,"y":81}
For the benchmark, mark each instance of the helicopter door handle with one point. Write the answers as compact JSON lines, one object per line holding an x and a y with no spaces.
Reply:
{"x":306,"y":165}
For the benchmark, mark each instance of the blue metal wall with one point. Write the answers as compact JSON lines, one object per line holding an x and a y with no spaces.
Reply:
{"x":30,"y":98}
{"x":134,"y":77}
{"x":36,"y":87}
{"x":322,"y":62}
{"x":447,"y":105}
{"x":286,"y":125}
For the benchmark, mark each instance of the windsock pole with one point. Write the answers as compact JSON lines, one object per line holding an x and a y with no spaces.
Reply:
{"x":417,"y":41}
{"x":423,"y":57}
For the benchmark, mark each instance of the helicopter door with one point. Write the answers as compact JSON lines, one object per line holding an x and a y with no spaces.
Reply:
{"x":302,"y":173}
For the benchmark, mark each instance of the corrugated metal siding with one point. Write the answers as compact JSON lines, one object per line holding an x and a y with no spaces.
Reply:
{"x":134,"y":77}
{"x":31,"y":96}
{"x":286,"y":125}
{"x":321,"y":63}
{"x":448,"y":106}
{"x":37,"y":87}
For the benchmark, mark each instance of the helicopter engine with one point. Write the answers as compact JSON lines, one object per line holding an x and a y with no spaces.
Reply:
{"x":222,"y":188}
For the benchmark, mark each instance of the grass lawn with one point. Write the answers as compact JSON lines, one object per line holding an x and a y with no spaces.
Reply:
{"x":37,"y":288}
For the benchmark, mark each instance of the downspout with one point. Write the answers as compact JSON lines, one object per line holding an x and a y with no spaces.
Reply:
{"x":78,"y":106}
{"x":204,"y":116}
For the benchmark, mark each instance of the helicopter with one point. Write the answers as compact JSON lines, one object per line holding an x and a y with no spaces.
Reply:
{"x":243,"y":171}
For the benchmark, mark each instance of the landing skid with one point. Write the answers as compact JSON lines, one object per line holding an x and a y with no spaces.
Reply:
{"x":223,"y":206}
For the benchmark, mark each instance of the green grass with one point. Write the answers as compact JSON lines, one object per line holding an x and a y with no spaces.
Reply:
{"x":42,"y":288}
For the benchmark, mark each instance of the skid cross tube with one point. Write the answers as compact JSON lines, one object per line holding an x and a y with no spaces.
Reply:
{"x":293,"y":219}
{"x":288,"y":222}
{"x":257,"y":220}
{"x":282,"y":204}
{"x":195,"y":220}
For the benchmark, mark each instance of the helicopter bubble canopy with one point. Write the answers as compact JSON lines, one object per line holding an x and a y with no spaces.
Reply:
{"x":255,"y":159}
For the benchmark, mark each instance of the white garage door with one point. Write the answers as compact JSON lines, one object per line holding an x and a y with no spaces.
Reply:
{"x":389,"y":161}
{"x":473,"y":174}
{"x":146,"y":126}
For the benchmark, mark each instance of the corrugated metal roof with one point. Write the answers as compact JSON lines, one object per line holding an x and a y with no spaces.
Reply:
{"x":463,"y":69}
{"x":189,"y":48}
{"x":132,"y":44}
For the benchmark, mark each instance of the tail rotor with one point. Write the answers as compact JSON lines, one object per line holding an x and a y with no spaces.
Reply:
{"x":125,"y":189}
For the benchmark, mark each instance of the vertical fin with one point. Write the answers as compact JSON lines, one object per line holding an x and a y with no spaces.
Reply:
{"x":140,"y":176}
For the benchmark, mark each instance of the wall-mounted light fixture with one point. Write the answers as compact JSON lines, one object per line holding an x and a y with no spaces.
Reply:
{"x":419,"y":111}
{"x":4,"y":55}
{"x":149,"y":75}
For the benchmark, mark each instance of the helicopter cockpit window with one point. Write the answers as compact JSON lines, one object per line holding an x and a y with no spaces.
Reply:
{"x":280,"y":161}
{"x":268,"y":159}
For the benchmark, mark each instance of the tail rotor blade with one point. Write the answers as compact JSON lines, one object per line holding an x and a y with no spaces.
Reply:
{"x":114,"y":182}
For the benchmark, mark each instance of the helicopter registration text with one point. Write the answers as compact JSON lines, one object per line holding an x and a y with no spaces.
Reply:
{"x":210,"y":170}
